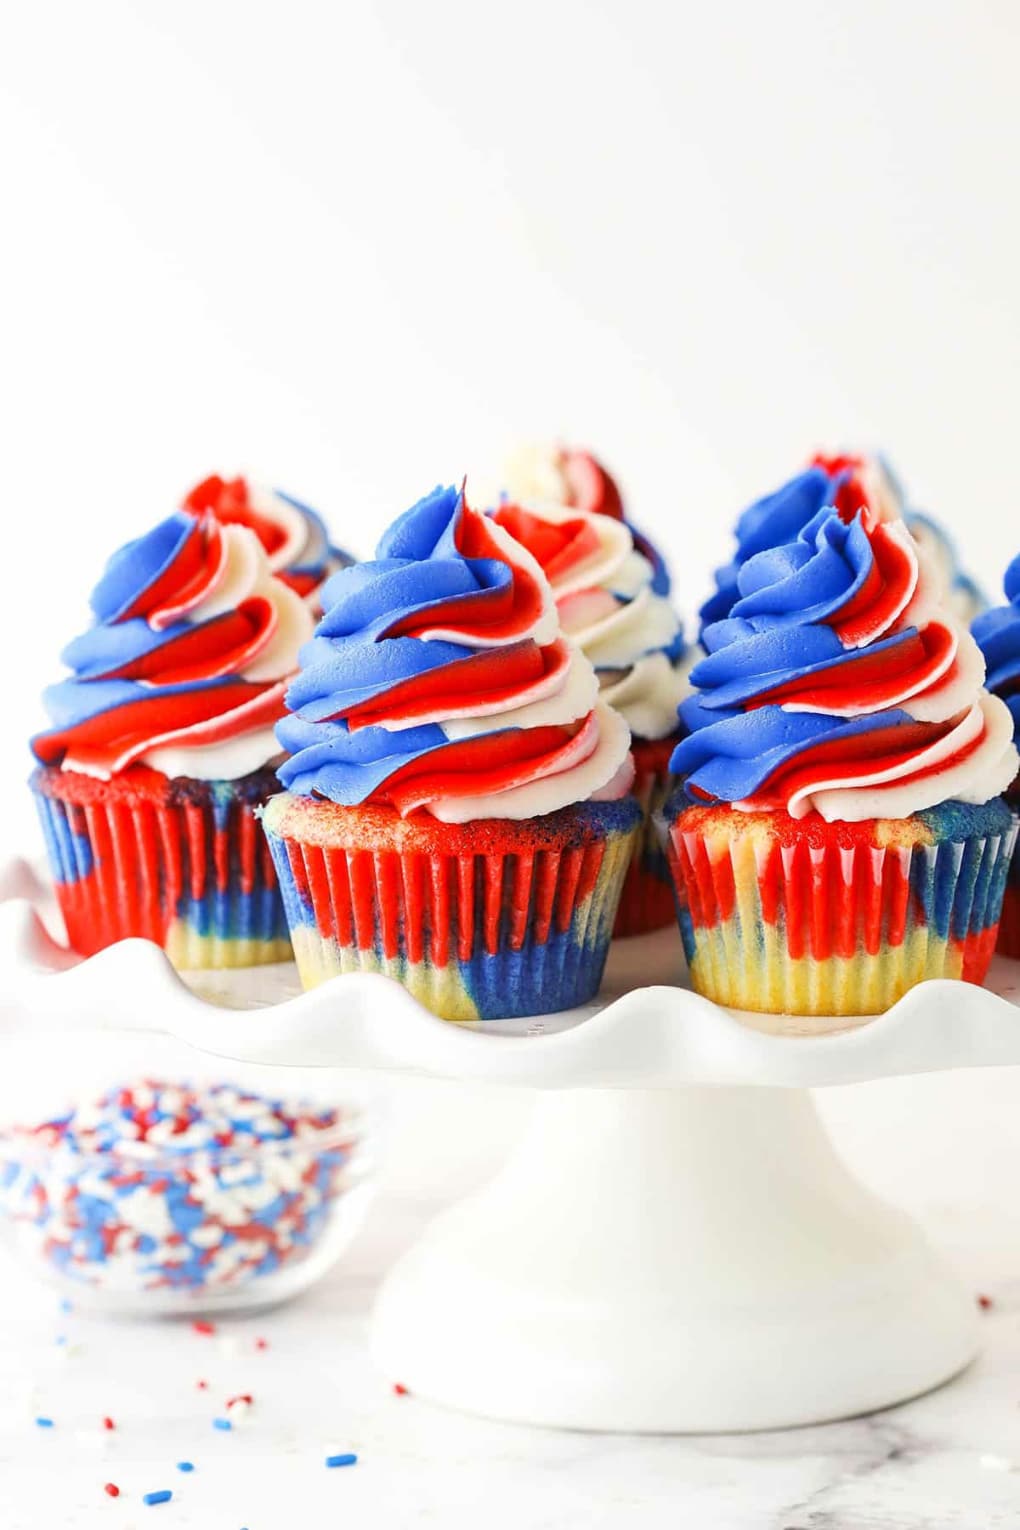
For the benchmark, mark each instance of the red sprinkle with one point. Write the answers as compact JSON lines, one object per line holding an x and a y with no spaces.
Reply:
{"x":261,"y":1343}
{"x":985,"y":1302}
{"x":112,"y":1489}
{"x":203,"y":1386}
{"x":108,"y":1423}
{"x":400,"y":1390}
{"x":242,"y":1397}
{"x":201,"y":1326}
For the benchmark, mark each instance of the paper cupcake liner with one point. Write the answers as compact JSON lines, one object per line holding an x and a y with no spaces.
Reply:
{"x":179,"y":862}
{"x":479,"y":921}
{"x":834,"y":920}
{"x":646,"y":902}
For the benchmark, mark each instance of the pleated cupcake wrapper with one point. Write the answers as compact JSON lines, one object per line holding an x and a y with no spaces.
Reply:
{"x":832,"y":930}
{"x":134,"y":866}
{"x":470,"y":936}
{"x":647,"y":901}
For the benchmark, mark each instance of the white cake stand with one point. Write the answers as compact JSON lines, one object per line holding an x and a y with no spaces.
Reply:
{"x":673,"y":1246}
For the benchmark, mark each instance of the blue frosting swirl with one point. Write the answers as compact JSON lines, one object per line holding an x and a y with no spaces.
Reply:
{"x":998,"y":636}
{"x":772,"y":521}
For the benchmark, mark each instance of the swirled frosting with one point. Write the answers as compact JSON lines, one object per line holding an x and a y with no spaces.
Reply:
{"x":438,"y":680}
{"x":564,"y":475}
{"x":187,"y":662}
{"x":545,"y":473}
{"x":849,"y":481}
{"x":963,"y":593}
{"x":607,"y":604}
{"x":840,"y":683}
{"x":293,"y":535}
{"x":998,"y":635}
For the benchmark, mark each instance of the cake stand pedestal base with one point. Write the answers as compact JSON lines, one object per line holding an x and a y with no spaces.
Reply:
{"x":680,"y":1260}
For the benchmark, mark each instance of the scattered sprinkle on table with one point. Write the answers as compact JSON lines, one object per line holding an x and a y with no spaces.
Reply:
{"x":261,"y":1343}
{"x":400,"y":1389}
{"x":203,"y":1386}
{"x":108,"y":1423}
{"x":164,"y":1495}
{"x":44,"y":1423}
{"x":985,"y":1303}
{"x":111,"y":1489}
{"x":201,"y":1326}
{"x":185,"y":1466}
{"x":347,"y":1459}
{"x":222,"y":1423}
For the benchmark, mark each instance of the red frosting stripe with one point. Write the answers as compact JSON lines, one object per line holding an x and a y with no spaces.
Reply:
{"x":223,"y":645}
{"x":871,"y":681}
{"x":489,"y":677}
{"x":888,"y":587}
{"x":229,"y":500}
{"x":110,"y":741}
{"x":558,"y":546}
{"x":490,"y":762}
{"x":500,"y":615}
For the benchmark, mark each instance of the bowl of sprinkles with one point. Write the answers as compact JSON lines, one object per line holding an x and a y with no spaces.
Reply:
{"x":157,"y":1197}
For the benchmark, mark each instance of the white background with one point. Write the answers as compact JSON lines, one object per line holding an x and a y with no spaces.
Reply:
{"x":357,"y":249}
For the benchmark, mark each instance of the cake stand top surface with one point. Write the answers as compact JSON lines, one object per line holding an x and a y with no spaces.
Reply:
{"x":646,"y":1029}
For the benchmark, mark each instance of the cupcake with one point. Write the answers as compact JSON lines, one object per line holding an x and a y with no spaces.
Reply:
{"x":161,"y":745}
{"x":840,"y":836}
{"x":998,"y":634}
{"x":607,"y":604}
{"x":850,"y":482}
{"x":457,"y":813}
{"x":293,"y":535}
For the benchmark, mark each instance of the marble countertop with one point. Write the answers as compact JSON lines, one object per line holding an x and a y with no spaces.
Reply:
{"x":951,"y":1459}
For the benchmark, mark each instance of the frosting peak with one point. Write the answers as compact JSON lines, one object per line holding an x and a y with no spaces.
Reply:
{"x":608,"y":604}
{"x":185,"y":667}
{"x":438,"y":680}
{"x":840,"y":683}
{"x":293,"y":535}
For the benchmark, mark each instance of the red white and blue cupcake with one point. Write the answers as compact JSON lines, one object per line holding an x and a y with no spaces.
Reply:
{"x":160,"y":747}
{"x":457,"y":813}
{"x":612,"y":592}
{"x":841,"y":835}
{"x":998,"y":635}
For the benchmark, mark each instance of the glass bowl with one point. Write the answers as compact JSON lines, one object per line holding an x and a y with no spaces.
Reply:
{"x":179,"y":1218}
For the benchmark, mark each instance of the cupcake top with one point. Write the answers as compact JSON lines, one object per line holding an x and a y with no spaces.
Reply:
{"x":549,"y":473}
{"x":998,"y":633}
{"x":607,"y":604}
{"x":840,"y":683}
{"x":293,"y":535}
{"x":850,"y":482}
{"x":186,"y":664}
{"x":439,"y":680}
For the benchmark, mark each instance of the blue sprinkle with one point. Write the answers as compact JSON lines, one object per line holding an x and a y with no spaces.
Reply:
{"x":163,"y":1496}
{"x":349,"y":1459}
{"x":185,"y":1466}
{"x":67,"y":1305}
{"x":45,"y":1423}
{"x":222,"y":1423}
{"x":61,"y":1338}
